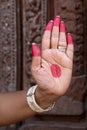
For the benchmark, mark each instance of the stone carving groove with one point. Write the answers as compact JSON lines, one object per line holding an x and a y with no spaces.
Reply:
{"x":8,"y":47}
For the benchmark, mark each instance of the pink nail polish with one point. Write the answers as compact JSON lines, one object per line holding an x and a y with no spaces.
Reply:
{"x":62,"y":27}
{"x":69,"y":38}
{"x":49,"y":26}
{"x":57,"y":21}
{"x":35,"y":50}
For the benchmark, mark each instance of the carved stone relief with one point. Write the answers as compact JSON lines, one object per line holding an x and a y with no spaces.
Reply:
{"x":8,"y":47}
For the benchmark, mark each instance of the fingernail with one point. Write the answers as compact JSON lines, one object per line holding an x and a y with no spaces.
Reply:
{"x":62,"y":27}
{"x":49,"y":26}
{"x":69,"y":38}
{"x":35,"y":50}
{"x":57,"y":21}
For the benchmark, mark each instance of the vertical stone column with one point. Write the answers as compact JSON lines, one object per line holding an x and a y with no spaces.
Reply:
{"x":8,"y":49}
{"x":8,"y":45}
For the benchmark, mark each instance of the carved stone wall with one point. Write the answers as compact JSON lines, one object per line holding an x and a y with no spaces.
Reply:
{"x":8,"y":48}
{"x":8,"y":45}
{"x":55,"y":126}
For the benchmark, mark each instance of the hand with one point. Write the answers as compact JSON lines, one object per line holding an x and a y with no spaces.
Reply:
{"x":52,"y":66}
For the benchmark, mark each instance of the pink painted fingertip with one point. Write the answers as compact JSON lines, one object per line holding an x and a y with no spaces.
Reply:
{"x":49,"y":26}
{"x":35,"y":50}
{"x":57,"y":21}
{"x":62,"y":27}
{"x":69,"y":38}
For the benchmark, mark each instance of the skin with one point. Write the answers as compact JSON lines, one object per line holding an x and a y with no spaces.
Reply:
{"x":13,"y":106}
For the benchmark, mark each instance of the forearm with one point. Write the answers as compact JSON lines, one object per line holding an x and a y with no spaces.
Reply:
{"x":14,"y":107}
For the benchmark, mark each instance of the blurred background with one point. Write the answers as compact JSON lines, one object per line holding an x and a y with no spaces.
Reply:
{"x":21,"y":23}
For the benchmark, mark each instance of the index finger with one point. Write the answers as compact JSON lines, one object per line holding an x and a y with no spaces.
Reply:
{"x":46,"y":40}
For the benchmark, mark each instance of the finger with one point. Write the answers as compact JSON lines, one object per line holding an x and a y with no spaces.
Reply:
{"x":62,"y":38}
{"x":47,"y":36}
{"x":70,"y":48}
{"x":55,"y":32}
{"x":36,"y":56}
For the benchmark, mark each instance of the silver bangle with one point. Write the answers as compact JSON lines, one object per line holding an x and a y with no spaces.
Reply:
{"x":32,"y":102}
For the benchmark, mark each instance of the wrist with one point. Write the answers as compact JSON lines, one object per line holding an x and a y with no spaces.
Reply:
{"x":44,"y":99}
{"x":31,"y":100}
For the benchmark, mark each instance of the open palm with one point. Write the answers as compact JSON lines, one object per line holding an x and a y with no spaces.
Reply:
{"x":53,"y":69}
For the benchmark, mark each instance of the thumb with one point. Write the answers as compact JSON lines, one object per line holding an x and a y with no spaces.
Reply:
{"x":36,"y":56}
